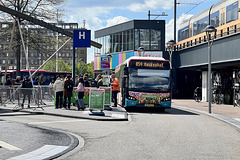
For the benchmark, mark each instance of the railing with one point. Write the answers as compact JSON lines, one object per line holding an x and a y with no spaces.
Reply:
{"x":15,"y":95}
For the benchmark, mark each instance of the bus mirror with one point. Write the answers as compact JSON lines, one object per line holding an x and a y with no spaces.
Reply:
{"x":125,"y":71}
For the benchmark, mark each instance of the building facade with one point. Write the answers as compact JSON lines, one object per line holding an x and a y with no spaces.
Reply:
{"x":123,"y":40}
{"x":40,"y":44}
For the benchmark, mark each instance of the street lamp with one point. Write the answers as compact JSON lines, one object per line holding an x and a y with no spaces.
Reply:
{"x":141,"y":51}
{"x":170,"y":47}
{"x":209,"y":30}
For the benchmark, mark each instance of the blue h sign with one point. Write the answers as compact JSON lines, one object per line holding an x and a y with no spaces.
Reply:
{"x":82,"y":38}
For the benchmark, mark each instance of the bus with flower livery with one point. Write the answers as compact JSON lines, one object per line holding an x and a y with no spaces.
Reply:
{"x":144,"y":82}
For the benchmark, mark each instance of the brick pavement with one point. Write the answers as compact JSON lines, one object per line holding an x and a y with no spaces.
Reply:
{"x":225,"y":110}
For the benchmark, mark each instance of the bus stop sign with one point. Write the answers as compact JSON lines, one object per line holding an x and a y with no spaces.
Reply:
{"x":82,"y":38}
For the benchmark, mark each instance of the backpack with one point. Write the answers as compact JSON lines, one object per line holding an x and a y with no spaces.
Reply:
{"x":28,"y":84}
{"x":70,"y":87}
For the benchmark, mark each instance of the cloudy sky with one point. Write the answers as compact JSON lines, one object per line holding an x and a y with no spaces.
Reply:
{"x":103,"y":13}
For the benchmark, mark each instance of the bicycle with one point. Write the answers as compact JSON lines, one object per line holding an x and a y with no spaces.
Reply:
{"x":197,"y":94}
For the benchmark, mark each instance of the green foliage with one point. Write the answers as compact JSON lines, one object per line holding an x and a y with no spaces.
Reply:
{"x":62,"y":66}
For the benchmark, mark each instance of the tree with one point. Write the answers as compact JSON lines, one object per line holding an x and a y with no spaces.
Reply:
{"x":51,"y":66}
{"x":41,"y":9}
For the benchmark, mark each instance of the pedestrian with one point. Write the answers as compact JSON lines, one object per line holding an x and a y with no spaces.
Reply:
{"x":68,"y":88}
{"x":26,"y":90}
{"x":115,"y":89}
{"x":8,"y":85}
{"x":100,"y":81}
{"x":94,"y":82}
{"x":85,"y":79}
{"x":8,"y":82}
{"x":18,"y":81}
{"x":58,"y":87}
{"x":51,"y":90}
{"x":80,"y":89}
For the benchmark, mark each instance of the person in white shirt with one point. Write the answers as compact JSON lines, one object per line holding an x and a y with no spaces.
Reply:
{"x":58,"y":87}
{"x":80,"y":89}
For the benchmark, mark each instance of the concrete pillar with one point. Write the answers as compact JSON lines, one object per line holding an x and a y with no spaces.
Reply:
{"x":204,"y":86}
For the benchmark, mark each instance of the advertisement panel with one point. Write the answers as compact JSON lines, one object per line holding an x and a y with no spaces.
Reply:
{"x":108,"y":95}
{"x":97,"y":99}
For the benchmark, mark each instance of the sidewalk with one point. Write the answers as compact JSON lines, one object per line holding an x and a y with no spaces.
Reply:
{"x":116,"y":114}
{"x":227,"y":113}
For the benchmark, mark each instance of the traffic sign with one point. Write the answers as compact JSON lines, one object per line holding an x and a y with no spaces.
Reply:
{"x":82,"y":38}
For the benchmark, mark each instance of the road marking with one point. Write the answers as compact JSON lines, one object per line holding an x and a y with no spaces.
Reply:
{"x":42,"y":153}
{"x":238,"y":119}
{"x":118,"y":116}
{"x":9,"y":146}
{"x":81,"y":120}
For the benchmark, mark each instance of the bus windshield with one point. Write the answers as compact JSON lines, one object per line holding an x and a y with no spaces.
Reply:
{"x":149,"y":79}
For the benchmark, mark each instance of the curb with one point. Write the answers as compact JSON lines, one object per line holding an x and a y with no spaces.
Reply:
{"x":107,"y":117}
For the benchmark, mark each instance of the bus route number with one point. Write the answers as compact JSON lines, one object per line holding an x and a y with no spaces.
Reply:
{"x":138,"y":64}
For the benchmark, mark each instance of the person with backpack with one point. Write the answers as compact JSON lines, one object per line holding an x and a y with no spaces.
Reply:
{"x":68,"y":88}
{"x":27,"y":90}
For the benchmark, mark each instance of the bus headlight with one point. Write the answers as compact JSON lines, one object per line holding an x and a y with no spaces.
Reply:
{"x":166,"y":99}
{"x":132,"y":98}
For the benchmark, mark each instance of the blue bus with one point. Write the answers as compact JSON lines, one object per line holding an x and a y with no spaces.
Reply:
{"x":144,"y":82}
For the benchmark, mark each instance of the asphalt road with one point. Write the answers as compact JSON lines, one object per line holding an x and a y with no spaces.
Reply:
{"x":21,"y":138}
{"x":175,"y":134}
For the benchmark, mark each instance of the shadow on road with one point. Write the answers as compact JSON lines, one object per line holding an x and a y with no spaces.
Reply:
{"x":172,"y":111}
{"x":4,"y":113}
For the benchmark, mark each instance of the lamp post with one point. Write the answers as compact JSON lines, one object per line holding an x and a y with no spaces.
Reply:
{"x":141,"y":51}
{"x":170,"y":47}
{"x":209,"y":30}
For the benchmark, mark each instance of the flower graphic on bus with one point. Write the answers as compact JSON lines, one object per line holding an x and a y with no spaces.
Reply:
{"x":149,"y":98}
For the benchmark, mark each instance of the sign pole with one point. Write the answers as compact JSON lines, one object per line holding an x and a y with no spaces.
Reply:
{"x":73,"y":65}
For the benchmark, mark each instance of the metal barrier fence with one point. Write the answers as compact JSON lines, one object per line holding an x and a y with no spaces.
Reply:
{"x":15,"y":95}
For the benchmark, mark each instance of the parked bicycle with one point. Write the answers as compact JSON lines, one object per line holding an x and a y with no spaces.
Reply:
{"x":218,"y":97}
{"x":236,"y":95}
{"x":198,"y":94}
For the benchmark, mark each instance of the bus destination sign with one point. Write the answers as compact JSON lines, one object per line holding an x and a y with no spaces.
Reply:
{"x":149,"y":64}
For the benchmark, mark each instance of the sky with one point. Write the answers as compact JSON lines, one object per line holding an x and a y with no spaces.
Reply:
{"x":99,"y":14}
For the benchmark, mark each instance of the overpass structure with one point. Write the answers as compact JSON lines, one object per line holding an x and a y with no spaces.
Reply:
{"x":191,"y":65}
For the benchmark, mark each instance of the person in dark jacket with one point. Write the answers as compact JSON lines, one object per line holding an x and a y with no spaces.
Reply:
{"x":68,"y":88}
{"x":27,"y":90}
{"x":85,"y":78}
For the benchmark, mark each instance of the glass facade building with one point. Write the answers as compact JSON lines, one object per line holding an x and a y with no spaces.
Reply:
{"x":124,"y":39}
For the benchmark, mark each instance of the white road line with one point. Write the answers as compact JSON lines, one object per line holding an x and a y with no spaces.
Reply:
{"x":238,"y":119}
{"x":9,"y":146}
{"x":82,"y":120}
{"x":42,"y":153}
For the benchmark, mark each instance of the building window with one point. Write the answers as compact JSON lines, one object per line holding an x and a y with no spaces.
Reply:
{"x":145,"y":38}
{"x":3,"y":61}
{"x":137,"y":39}
{"x":155,"y":39}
